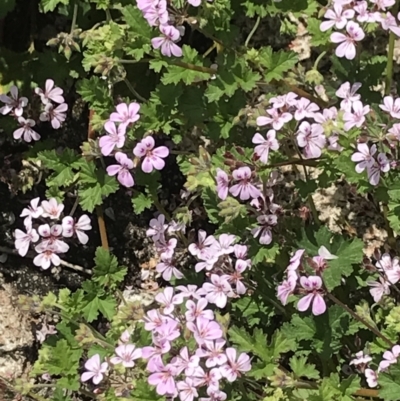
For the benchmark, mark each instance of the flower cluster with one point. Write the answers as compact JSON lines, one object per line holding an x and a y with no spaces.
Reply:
{"x":195,"y":368}
{"x":343,"y":16}
{"x":54,"y":110}
{"x":312,"y":124}
{"x":389,"y":274}
{"x":361,"y":362}
{"x":119,"y":121}
{"x":156,"y":14}
{"x":310,"y":286}
{"x":224,"y":261}
{"x":49,"y":237}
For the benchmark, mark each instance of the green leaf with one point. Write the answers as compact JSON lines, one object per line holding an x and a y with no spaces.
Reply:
{"x":139,"y":32}
{"x":107,"y":306}
{"x":143,"y":392}
{"x":257,"y":343}
{"x":389,"y":383}
{"x":276,"y":63}
{"x":61,"y":164}
{"x":348,"y":253}
{"x":141,"y":202}
{"x":94,"y":185}
{"x":6,"y":6}
{"x":107,"y":272}
{"x":50,"y":5}
{"x":233,"y":73}
{"x":184,"y":73}
{"x":301,"y":368}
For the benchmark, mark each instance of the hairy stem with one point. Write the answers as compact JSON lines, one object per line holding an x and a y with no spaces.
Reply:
{"x":360,"y":319}
{"x":252,"y":32}
{"x":389,"y":65}
{"x":134,"y":92}
{"x":74,"y":16}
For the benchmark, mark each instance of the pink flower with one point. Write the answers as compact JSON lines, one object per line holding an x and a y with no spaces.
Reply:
{"x":312,"y":285}
{"x":337,"y":17}
{"x":205,"y":330}
{"x":187,"y":391}
{"x":214,"y":352}
{"x":51,"y":92}
{"x":210,"y":378}
{"x":126,"y":114}
{"x":277,"y":119}
{"x":218,"y":290}
{"x":388,"y":22}
{"x":33,"y":211}
{"x":290,"y":99}
{"x":166,"y":42}
{"x":222,"y":184}
{"x":311,"y":138}
{"x":23,"y":240}
{"x":264,"y":145}
{"x":363,"y":12}
{"x":391,"y":106}
{"x":386,"y":263}
{"x":378,"y":289}
{"x":26,"y":130}
{"x":234,"y":368}
{"x":71,"y":227}
{"x":126,"y":354}
{"x":295,"y":260}
{"x":214,"y":394}
{"x":163,"y":377}
{"x":155,"y":12}
{"x":157,"y":228}
{"x":266,"y":222}
{"x":372,"y":378}
{"x":168,"y":300}
{"x":153,"y":158}
{"x":347,"y":42}
{"x":304,"y":108}
{"x":154,"y":319}
{"x":195,"y":310}
{"x":382,"y":164}
{"x":166,"y":249}
{"x":244,"y":189}
{"x":168,"y":331}
{"x":13,"y":102}
{"x":52,"y":209}
{"x":55,"y":115}
{"x":224,"y":245}
{"x":191,"y":291}
{"x":203,"y":245}
{"x":348,"y":94}
{"x":383,"y":4}
{"x":168,"y":269}
{"x":46,"y":258}
{"x":390,"y":358}
{"x":364,"y":157}
{"x":286,"y":289}
{"x":122,"y":170}
{"x":355,"y":119}
{"x":116,"y":138}
{"x":360,"y":359}
{"x":51,"y":239}
{"x":185,"y":362}
{"x":95,"y":369}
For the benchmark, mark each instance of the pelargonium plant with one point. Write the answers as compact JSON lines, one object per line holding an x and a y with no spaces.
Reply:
{"x":267,"y":174}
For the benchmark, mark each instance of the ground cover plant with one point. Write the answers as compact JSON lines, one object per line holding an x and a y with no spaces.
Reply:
{"x":217,"y":123}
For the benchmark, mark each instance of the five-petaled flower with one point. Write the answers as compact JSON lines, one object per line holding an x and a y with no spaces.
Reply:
{"x":126,"y":354}
{"x":126,"y":114}
{"x":313,"y":287}
{"x":167,"y":41}
{"x":153,"y":157}
{"x":122,"y":169}
{"x":347,"y":47}
{"x":264,"y":145}
{"x":95,"y":369}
